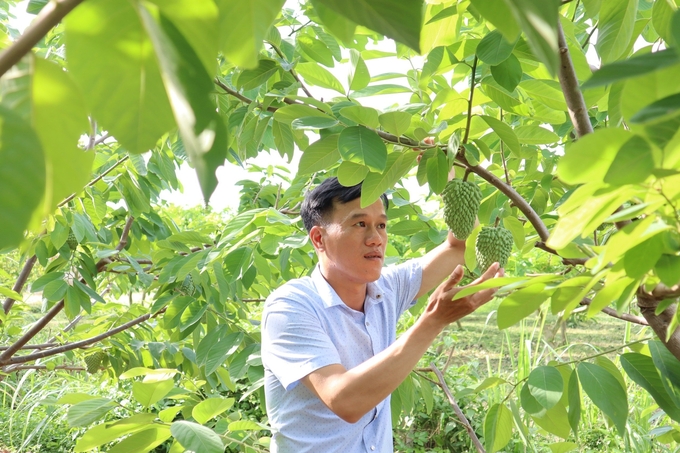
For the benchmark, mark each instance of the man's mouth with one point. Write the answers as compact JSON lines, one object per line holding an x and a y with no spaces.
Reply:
{"x":374,"y":255}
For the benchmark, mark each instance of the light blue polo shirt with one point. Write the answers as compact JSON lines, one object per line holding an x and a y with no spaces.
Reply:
{"x":306,"y":326}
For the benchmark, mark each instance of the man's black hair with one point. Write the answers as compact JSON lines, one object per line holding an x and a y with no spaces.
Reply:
{"x":319,"y":202}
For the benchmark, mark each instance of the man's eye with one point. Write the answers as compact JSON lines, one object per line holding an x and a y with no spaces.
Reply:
{"x":382,"y":226}
{"x":361,"y":224}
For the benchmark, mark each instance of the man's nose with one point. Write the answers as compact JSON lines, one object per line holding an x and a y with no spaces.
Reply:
{"x":373,"y":236}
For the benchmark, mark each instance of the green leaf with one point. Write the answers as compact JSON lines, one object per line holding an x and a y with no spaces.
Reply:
{"x":555,"y":421}
{"x":669,"y":368}
{"x":631,"y":67}
{"x":320,"y":155}
{"x":606,"y":392}
{"x":313,"y":123}
{"x":562,"y":447}
{"x":380,"y":89}
{"x":520,"y":304}
{"x":189,"y":88}
{"x":241,"y":39}
{"x":315,"y":50}
{"x":640,"y":368}
{"x":515,"y":227}
{"x":196,"y":437}
{"x":658,"y":109}
{"x":535,"y":135}
{"x":633,"y":163}
{"x":365,"y":116}
{"x":546,"y":385}
{"x":244,"y":425}
{"x":217,"y":352}
{"x":319,"y":76}
{"x":150,"y":393}
{"x":283,"y":138}
{"x":359,"y":77}
{"x":493,"y":49}
{"x":529,"y":403}
{"x":142,"y":442}
{"x":574,"y":394}
{"x":615,"y":28}
{"x":547,"y":92}
{"x":505,"y":132}
{"x":60,"y":119}
{"x":611,"y":292}
{"x":290,"y":113}
{"x":106,"y":432}
{"x":253,"y":78}
{"x":439,"y":33}
{"x":538,"y":19}
{"x":115,"y":65}
{"x":437,"y":171}
{"x":55,"y":290}
{"x":210,"y":408}
{"x":641,"y":259}
{"x":675,"y":27}
{"x":22,"y":177}
{"x":395,"y":122}
{"x":87,"y":412}
{"x":608,"y":142}
{"x":497,"y":428}
{"x":337,"y":24}
{"x":668,"y":269}
{"x":407,"y":227}
{"x":351,"y":174}
{"x":363,"y":146}
{"x":375,"y":184}
{"x":507,"y":73}
{"x":400,"y":21}
{"x":500,"y":15}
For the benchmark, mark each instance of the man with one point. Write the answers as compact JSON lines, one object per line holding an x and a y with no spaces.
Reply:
{"x":329,"y":344}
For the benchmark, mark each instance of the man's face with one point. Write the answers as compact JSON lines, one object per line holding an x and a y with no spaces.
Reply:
{"x":353,"y":241}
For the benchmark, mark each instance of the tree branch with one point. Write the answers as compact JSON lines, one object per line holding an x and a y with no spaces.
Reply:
{"x":44,"y":367}
{"x":614,"y":314}
{"x":456,"y":409}
{"x":83,"y":343}
{"x":578,"y":112}
{"x":472,"y":93}
{"x":21,"y":281}
{"x":51,"y":15}
{"x":291,"y":70}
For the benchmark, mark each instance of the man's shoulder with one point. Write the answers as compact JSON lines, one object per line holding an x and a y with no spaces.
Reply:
{"x":298,"y":290}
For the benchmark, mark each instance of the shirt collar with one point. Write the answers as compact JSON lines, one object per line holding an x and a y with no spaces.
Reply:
{"x":330,"y":298}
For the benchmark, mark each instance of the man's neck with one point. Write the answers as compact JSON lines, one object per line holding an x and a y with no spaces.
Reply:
{"x":352,"y":294}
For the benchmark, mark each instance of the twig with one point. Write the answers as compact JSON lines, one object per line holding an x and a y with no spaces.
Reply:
{"x":590,"y":35}
{"x":456,"y":409}
{"x":291,"y":70}
{"x":578,"y":112}
{"x":84,"y":343}
{"x":239,"y":96}
{"x":51,"y":15}
{"x":623,"y":316}
{"x":472,"y":93}
{"x":295,"y":30}
{"x":6,"y":356}
{"x":32,"y":346}
{"x":95,"y":180}
{"x":505,"y":165}
{"x":21,"y":281}
{"x":44,"y":367}
{"x":566,"y":261}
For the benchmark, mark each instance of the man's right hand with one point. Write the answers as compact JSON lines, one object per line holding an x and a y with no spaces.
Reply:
{"x":442,"y":310}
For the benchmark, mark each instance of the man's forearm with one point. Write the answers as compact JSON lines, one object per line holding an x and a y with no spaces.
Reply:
{"x":352,"y":393}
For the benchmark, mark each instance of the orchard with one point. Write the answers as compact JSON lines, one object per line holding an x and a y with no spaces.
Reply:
{"x":559,"y":121}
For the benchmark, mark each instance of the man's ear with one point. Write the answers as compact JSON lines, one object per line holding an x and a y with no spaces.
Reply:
{"x":316,"y":236}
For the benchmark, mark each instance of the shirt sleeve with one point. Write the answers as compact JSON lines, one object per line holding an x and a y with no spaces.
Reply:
{"x":405,"y":280}
{"x":294,"y":343}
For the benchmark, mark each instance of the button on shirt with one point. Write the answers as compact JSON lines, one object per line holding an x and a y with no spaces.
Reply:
{"x":306,"y":326}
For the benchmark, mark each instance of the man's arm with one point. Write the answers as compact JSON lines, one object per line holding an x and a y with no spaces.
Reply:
{"x":439,"y":262}
{"x":352,"y":393}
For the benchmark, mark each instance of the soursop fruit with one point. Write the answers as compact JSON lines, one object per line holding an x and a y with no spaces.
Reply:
{"x":93,"y":361}
{"x":461,"y":205}
{"x":493,"y":244}
{"x":72,"y":241}
{"x":187,"y":287}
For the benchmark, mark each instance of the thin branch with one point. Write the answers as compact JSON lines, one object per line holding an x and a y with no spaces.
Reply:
{"x":578,"y":112}
{"x":84,"y":343}
{"x":472,"y":93}
{"x":124,"y":235}
{"x":590,"y":35}
{"x":6,"y":356}
{"x":51,"y":15}
{"x":456,"y":409}
{"x":291,"y":70}
{"x":505,"y":165}
{"x":21,"y":281}
{"x":566,"y":261}
{"x":32,"y":346}
{"x":239,"y":96}
{"x":295,"y":30}
{"x":95,"y":180}
{"x":614,"y":314}
{"x":44,"y":367}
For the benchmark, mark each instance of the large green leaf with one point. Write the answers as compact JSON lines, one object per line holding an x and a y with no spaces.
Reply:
{"x":212,"y":407}
{"x":500,"y":15}
{"x":606,"y":141}
{"x":520,"y":304}
{"x":633,"y":163}
{"x":142,"y":442}
{"x":363,"y":146}
{"x":337,"y":24}
{"x":555,"y":420}
{"x":535,"y":135}
{"x":494,"y":49}
{"x":320,"y":155}
{"x":641,"y":91}
{"x":290,"y":113}
{"x":441,"y":29}
{"x":497,"y":427}
{"x":365,"y":116}
{"x":319,"y":76}
{"x":395,"y":122}
{"x":111,"y":58}
{"x":60,"y":119}
{"x":253,"y":78}
{"x":669,"y":369}
{"x":22,"y":176}
{"x":400,"y":21}
{"x":538,"y":19}
{"x":243,"y":26}
{"x":546,"y":385}
{"x":606,"y":392}
{"x":505,"y":132}
{"x":663,"y":108}
{"x":615,"y":28}
{"x":508,"y":73}
{"x":375,"y":184}
{"x":631,"y":67}
{"x":189,"y":87}
{"x":148,"y":393}
{"x":640,"y":368}
{"x":196,"y":437}
{"x":359,"y":77}
{"x":351,"y":173}
{"x":87,"y":412}
{"x":106,"y":432}
{"x":574,"y":395}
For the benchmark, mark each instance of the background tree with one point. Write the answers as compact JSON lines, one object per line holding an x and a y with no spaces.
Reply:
{"x":102,"y":99}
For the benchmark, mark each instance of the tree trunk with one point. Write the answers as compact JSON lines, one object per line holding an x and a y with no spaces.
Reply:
{"x":659,"y":323}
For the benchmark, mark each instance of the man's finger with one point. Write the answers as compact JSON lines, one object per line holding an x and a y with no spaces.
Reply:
{"x":456,"y":277}
{"x":490,"y":272}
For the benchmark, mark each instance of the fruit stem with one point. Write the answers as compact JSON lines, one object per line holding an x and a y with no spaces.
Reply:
{"x":498,"y":220}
